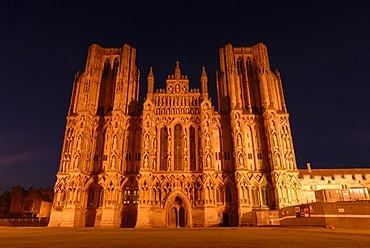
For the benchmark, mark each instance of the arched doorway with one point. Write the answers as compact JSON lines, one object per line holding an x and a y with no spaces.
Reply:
{"x":177,"y":215}
{"x":225,"y":219}
{"x":182,"y":217}
{"x":129,"y":217}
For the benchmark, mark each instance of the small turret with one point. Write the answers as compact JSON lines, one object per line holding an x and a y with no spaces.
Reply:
{"x":204,"y":80}
{"x":177,"y":71}
{"x":150,"y":81}
{"x":309,"y":167}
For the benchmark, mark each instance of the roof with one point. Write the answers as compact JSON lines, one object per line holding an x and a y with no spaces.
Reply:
{"x":332,"y":172}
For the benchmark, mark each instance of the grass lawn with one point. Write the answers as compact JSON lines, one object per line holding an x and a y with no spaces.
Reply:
{"x":184,"y":237}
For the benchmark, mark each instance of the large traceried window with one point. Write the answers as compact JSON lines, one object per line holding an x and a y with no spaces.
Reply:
{"x":249,"y":66}
{"x":115,"y":66}
{"x":229,"y":194}
{"x":106,"y":68}
{"x":178,"y":148}
{"x":163,"y":148}
{"x":192,"y":149}
{"x":219,"y":196}
{"x":240,"y":66}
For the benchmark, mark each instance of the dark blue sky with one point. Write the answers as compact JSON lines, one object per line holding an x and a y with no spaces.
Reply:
{"x":321,"y":49}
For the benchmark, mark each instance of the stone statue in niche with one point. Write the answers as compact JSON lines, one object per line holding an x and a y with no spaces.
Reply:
{"x":277,"y":160}
{"x":146,"y":141}
{"x":241,"y":161}
{"x":113,"y":164}
{"x":208,"y":139}
{"x":115,"y":141}
{"x":146,"y":162}
{"x":155,"y":144}
{"x":200,"y":164}
{"x":77,"y":158}
{"x":239,"y":140}
{"x":208,"y":161}
{"x":154,"y":164}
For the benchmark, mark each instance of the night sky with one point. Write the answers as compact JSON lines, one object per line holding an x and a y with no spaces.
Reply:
{"x":321,"y":48}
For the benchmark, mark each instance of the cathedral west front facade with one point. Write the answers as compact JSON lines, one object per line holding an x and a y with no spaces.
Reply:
{"x":177,"y":160}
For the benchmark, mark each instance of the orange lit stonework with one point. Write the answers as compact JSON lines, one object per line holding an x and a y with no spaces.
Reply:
{"x":177,"y":162}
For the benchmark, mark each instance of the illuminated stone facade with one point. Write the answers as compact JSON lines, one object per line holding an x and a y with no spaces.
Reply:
{"x":332,"y":185}
{"x":177,"y":162}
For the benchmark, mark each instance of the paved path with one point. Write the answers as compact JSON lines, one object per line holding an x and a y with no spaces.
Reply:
{"x":196,"y":237}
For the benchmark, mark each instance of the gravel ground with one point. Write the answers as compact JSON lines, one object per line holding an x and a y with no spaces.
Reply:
{"x":184,"y":237}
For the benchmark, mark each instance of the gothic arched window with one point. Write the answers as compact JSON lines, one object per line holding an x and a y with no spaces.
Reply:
{"x":255,"y":196}
{"x":249,"y":65}
{"x":178,"y":148}
{"x":126,"y":195}
{"x":135,"y":197}
{"x":106,"y":68}
{"x":240,"y":66}
{"x":229,"y":194}
{"x":115,"y":66}
{"x":163,"y":149}
{"x":101,"y":197}
{"x":219,"y":196}
{"x":192,"y":149}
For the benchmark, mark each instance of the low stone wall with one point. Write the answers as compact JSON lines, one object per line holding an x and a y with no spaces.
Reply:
{"x":24,"y":222}
{"x":338,"y":215}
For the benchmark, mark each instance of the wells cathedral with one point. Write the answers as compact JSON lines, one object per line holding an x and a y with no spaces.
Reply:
{"x":178,"y":160}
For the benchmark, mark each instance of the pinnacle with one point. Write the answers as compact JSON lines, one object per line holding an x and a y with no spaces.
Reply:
{"x":204,"y":74}
{"x":177,"y":70}
{"x":151,"y":74}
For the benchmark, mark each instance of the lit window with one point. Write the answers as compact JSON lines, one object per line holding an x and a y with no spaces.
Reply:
{"x":259,"y":155}
{"x":126,"y":196}
{"x":136,"y":196}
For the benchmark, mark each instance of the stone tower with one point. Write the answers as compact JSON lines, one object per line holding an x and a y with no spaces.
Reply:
{"x":103,"y":114}
{"x":252,"y":95}
{"x":178,"y":162}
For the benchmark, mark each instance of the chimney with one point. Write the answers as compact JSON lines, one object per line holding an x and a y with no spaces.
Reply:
{"x":309,"y":167}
